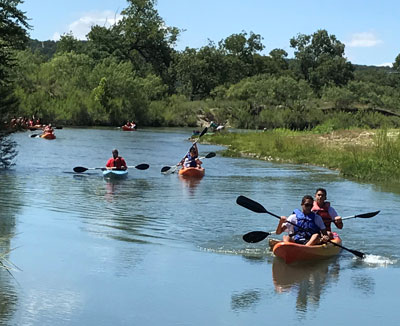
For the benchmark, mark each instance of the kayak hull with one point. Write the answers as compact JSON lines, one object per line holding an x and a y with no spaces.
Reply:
{"x":115,"y":174}
{"x":48,"y":136}
{"x":192,"y":172}
{"x":292,"y":252}
{"x":126,"y":128}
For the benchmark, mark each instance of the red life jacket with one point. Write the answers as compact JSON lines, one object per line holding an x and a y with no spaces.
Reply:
{"x":324,"y":213}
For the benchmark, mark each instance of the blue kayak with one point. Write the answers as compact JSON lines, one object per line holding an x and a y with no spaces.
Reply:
{"x":115,"y":174}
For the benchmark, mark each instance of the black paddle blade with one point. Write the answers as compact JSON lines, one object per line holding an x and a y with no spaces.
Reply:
{"x":250,"y":204}
{"x":35,"y":135}
{"x":80,"y":169}
{"x":143,"y":166}
{"x":165,"y":169}
{"x":367,"y":215}
{"x":210,"y":155}
{"x":255,"y":236}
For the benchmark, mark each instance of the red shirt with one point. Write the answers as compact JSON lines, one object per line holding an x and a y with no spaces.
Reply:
{"x":117,"y":163}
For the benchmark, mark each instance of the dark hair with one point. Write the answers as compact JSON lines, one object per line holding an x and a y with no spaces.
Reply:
{"x":305,"y":198}
{"x":321,"y":189}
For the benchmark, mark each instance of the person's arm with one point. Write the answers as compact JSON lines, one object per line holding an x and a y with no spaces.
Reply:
{"x":109,"y":164}
{"x":281,"y":226}
{"x":123,"y":164}
{"x":336,"y":218}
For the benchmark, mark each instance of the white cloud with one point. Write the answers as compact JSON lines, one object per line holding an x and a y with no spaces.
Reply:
{"x":363,"y":40}
{"x":81,"y":27}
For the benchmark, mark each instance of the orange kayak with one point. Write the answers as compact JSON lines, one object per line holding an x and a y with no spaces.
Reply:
{"x":192,"y":172}
{"x":127,"y":128}
{"x":48,"y":136}
{"x":291,"y":252}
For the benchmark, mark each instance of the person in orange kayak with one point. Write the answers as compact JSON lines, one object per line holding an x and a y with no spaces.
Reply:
{"x":48,"y":129}
{"x":326,"y":211}
{"x":303,"y":226}
{"x":116,"y":162}
{"x":191,"y":159}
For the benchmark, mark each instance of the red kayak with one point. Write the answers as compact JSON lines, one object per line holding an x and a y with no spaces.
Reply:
{"x":192,"y":172}
{"x":128,"y":128}
{"x":291,"y":252}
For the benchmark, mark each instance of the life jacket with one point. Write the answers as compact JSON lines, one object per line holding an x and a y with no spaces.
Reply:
{"x":190,"y":161}
{"x":117,"y":162}
{"x":324,"y":213}
{"x":305,"y":226}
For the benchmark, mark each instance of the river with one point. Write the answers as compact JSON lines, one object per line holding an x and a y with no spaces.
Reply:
{"x":156,"y":249}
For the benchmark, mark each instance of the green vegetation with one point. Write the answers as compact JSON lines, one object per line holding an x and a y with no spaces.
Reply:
{"x":132,"y":71}
{"x":374,"y":157}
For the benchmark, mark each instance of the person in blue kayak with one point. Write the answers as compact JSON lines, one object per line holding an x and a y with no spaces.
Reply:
{"x":116,"y":162}
{"x":191,"y":159}
{"x":303,"y":226}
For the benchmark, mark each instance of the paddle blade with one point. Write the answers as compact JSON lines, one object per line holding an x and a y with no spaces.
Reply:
{"x":367,"y":215}
{"x":250,"y":204}
{"x":255,"y":236}
{"x":210,"y":155}
{"x":143,"y":166}
{"x":80,"y":169}
{"x":34,"y":135}
{"x":165,"y":169}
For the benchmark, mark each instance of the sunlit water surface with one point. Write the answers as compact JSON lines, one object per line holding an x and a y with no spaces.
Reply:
{"x":157,"y":249}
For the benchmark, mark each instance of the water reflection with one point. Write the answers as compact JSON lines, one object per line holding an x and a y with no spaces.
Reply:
{"x":10,"y":205}
{"x":307,"y":280}
{"x":245,"y":300}
{"x":190,"y":184}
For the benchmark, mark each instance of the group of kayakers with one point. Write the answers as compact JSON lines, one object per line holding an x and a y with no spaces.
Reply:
{"x":312,"y":224}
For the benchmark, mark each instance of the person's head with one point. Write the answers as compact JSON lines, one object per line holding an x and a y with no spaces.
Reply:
{"x":320,"y":196}
{"x":115,"y":153}
{"x":307,"y":204}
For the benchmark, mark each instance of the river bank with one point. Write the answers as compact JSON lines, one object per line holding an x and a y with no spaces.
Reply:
{"x":365,"y":155}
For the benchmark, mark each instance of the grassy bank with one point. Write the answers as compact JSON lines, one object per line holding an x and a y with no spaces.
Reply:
{"x":361,"y":154}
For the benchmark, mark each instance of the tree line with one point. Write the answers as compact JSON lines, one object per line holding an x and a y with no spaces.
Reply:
{"x":131,"y":71}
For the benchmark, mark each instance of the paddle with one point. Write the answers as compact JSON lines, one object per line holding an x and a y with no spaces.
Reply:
{"x":256,"y":236}
{"x":258,"y":208}
{"x":365,"y":215}
{"x":80,"y":169}
{"x":35,"y":135}
{"x":172,"y":169}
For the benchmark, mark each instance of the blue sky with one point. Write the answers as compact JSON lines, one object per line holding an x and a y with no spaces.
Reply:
{"x":369,"y":29}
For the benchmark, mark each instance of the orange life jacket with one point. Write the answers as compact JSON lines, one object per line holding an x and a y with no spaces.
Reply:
{"x":324,"y":213}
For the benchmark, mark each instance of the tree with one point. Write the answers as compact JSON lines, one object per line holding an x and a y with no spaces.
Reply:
{"x":13,"y":36}
{"x":145,"y":38}
{"x":320,"y":59}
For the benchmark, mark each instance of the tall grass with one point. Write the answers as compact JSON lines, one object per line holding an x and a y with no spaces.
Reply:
{"x":378,"y":160}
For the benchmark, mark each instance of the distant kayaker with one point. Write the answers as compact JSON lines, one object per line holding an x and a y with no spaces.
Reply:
{"x":303,"y":227}
{"x":48,"y":129}
{"x":116,"y":162}
{"x":326,"y":211}
{"x":191,"y":159}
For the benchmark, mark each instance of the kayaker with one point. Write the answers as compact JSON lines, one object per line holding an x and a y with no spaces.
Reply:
{"x":48,"y":129}
{"x":191,"y":159}
{"x":116,"y":162}
{"x":326,"y":211}
{"x":304,"y":227}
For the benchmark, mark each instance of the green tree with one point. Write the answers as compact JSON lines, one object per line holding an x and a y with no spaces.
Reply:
{"x":320,"y":59}
{"x":13,"y":25}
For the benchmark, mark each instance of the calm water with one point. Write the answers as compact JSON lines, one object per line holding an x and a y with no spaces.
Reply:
{"x":158,"y":250}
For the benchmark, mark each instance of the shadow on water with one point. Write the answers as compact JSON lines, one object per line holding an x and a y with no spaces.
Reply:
{"x":10,"y":203}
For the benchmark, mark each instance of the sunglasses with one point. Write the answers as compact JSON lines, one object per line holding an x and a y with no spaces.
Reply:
{"x":308,"y":205}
